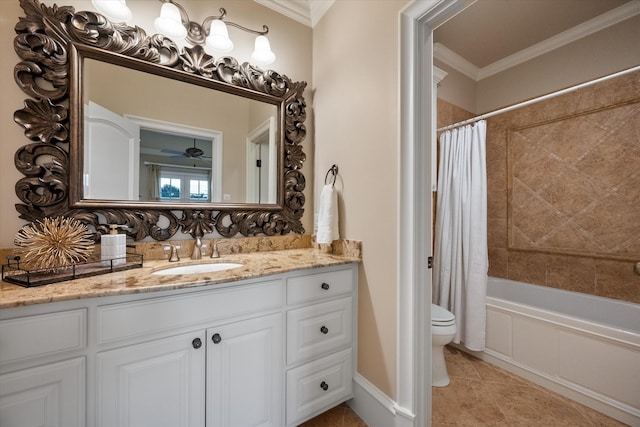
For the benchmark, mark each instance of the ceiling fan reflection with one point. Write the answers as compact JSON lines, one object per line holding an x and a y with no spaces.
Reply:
{"x":190,"y":153}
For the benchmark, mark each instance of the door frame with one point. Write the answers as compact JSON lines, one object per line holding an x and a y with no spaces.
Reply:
{"x":417,"y":136}
{"x":254,"y":140}
{"x":215,"y":136}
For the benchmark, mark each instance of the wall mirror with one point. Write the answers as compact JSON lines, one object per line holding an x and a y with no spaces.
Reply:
{"x":190,"y":142}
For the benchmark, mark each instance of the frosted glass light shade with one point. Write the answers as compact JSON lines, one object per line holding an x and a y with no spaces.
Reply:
{"x":115,"y":10}
{"x":262,"y":53}
{"x":169,"y":22}
{"x":218,"y":39}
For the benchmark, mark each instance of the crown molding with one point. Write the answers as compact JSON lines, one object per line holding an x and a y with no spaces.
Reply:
{"x":571,"y":35}
{"x":457,"y":62}
{"x":438,"y":75}
{"x":307,"y":12}
{"x":318,"y":8}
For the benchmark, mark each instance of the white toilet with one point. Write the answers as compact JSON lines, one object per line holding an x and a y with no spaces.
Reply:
{"x":443,"y":329}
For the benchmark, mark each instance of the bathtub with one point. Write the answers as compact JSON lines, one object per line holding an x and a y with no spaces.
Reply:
{"x":584,"y":347}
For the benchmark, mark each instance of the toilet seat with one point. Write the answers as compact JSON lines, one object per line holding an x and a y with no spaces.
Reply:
{"x":441,"y":316}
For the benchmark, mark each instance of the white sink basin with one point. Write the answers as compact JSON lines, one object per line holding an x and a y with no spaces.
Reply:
{"x":197,"y":268}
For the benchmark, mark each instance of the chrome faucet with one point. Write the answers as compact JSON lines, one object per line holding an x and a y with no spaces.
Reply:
{"x":197,"y":249}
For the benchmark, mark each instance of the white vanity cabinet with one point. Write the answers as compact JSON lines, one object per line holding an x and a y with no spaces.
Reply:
{"x":321,"y":322}
{"x":261,"y":352}
{"x":159,"y":383}
{"x":224,"y":371}
{"x":164,"y":382}
{"x":244,"y":373}
{"x":42,"y":369}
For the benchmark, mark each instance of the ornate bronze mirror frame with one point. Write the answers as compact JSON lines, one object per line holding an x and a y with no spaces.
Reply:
{"x":51,"y":42}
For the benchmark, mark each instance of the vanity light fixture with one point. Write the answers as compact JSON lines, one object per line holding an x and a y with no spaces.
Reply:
{"x":174,"y":23}
{"x":116,"y":10}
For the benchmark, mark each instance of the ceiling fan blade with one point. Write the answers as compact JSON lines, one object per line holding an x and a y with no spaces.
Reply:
{"x":165,"y":150}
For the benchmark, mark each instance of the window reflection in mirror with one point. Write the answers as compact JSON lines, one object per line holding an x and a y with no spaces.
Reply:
{"x":220,"y":147}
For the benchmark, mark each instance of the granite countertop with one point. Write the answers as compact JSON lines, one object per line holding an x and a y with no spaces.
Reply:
{"x":139,"y":280}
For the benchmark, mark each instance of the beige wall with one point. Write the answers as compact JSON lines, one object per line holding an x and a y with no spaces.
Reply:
{"x":457,"y":89}
{"x":355,"y":75}
{"x":354,"y":107}
{"x":290,"y":41}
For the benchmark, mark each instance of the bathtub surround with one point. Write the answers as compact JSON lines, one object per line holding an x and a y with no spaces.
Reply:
{"x":568,"y":360}
{"x":460,"y":255}
{"x":582,"y":232}
{"x":607,"y":223}
{"x":582,"y":346}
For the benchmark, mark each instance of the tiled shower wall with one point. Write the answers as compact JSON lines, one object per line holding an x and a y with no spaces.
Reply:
{"x":564,"y":189}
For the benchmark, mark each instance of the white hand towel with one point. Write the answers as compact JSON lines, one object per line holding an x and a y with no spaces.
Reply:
{"x":328,"y":216}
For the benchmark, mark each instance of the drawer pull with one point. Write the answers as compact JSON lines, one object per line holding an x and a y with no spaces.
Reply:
{"x":325,"y":286}
{"x":196,"y":343}
{"x":324,"y":386}
{"x":324,"y":330}
{"x":216,"y":338}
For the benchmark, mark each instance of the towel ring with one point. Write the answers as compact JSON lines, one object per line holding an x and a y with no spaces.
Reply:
{"x":334,"y":171}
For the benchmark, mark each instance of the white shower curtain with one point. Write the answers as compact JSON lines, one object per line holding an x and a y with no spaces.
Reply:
{"x":460,"y":258}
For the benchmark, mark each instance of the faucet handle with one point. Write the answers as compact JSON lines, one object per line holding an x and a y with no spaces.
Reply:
{"x":214,"y":251}
{"x":174,"y":257}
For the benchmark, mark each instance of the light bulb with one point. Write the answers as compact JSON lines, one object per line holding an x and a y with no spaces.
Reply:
{"x":262,"y":53}
{"x":169,"y":22}
{"x":115,"y":10}
{"x":218,"y":39}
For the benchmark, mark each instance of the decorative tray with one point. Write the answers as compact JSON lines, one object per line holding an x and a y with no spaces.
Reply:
{"x":13,"y":273}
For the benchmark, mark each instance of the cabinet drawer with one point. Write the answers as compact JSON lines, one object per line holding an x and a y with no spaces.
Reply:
{"x":318,"y":329}
{"x":154,"y":317}
{"x":314,"y":287}
{"x":318,"y":386}
{"x":42,"y":335}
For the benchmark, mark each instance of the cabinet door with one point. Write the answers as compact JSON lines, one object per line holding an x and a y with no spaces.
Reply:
{"x":244,"y":373}
{"x":48,"y":395}
{"x":155,"y":384}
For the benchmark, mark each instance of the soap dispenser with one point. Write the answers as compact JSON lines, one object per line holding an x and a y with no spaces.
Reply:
{"x":113,"y":247}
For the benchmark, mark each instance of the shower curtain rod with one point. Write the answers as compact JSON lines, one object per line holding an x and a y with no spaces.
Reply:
{"x":538,"y":99}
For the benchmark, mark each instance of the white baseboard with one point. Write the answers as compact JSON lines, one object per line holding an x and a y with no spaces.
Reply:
{"x":375,"y":408}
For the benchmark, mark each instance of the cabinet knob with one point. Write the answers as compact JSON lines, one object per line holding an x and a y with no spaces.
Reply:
{"x":324,"y":386}
{"x":216,"y":338}
{"x":196,"y":343}
{"x":325,"y":286}
{"x":324,"y":330}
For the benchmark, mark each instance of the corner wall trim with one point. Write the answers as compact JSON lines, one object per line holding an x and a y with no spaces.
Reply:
{"x":375,"y":408}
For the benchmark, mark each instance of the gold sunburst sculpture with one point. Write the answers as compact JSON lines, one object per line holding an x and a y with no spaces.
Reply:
{"x":52,"y":243}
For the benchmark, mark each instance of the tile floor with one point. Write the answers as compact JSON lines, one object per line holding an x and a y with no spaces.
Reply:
{"x":340,"y":416}
{"x":482,"y":395}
